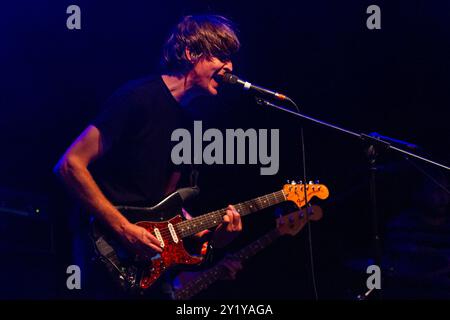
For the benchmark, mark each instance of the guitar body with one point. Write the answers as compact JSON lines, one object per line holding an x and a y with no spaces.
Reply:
{"x":135,"y":275}
{"x":173,"y":253}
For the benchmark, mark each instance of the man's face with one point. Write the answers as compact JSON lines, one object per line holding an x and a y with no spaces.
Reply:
{"x":204,"y":72}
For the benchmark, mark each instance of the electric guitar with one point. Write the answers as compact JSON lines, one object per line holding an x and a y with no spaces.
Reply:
{"x":165,"y":221}
{"x":290,"y":224}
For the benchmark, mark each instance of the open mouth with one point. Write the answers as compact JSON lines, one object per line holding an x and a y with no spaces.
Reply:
{"x":217,"y":77}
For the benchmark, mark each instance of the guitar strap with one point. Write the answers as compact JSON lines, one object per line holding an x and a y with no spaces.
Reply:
{"x":108,"y":256}
{"x":107,"y":252}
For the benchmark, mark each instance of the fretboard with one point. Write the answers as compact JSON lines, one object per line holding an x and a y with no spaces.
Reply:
{"x":210,"y":276}
{"x":212,"y":219}
{"x":258,"y":245}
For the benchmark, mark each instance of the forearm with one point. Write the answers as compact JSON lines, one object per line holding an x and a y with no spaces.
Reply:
{"x":77,"y":178}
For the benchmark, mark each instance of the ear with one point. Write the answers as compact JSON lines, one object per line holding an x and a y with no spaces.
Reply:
{"x":187,"y":53}
{"x":190,"y":56}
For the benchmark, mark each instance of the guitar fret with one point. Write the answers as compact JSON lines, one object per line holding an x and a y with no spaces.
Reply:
{"x":209,"y":220}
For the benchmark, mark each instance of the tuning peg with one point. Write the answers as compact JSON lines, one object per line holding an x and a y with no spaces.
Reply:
{"x":293,"y":182}
{"x":288,"y":181}
{"x":310,"y":182}
{"x":300,"y":182}
{"x":317,"y":181}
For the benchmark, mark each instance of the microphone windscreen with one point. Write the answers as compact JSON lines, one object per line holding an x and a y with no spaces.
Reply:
{"x":229,"y":78}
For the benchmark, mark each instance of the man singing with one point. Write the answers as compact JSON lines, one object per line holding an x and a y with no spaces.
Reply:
{"x":123,"y":156}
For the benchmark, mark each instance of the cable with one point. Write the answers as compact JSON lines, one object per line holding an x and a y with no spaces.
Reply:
{"x":311,"y":254}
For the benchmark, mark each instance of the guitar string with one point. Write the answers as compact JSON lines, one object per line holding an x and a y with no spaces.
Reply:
{"x":208,"y":218}
{"x":248,"y":206}
{"x":272,"y":199}
{"x":243,"y":208}
{"x":277,"y":197}
{"x":167,"y":236}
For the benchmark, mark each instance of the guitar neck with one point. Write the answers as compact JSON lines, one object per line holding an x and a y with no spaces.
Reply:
{"x":210,"y":276}
{"x":212,"y":219}
{"x":258,"y":245}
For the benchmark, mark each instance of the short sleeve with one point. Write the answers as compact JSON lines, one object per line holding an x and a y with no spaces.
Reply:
{"x":116,"y":116}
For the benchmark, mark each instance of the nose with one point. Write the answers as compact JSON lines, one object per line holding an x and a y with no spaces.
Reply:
{"x":228,"y":66}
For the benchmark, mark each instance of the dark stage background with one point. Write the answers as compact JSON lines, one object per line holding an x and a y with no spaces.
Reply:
{"x":394,"y":81}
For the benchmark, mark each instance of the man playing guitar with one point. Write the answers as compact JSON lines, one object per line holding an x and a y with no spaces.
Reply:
{"x":123,"y":156}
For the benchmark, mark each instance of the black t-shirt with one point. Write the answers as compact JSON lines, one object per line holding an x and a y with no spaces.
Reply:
{"x":137,"y":122}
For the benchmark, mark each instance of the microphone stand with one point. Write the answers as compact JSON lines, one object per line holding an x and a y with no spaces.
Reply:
{"x":365,"y":137}
{"x":374,"y":144}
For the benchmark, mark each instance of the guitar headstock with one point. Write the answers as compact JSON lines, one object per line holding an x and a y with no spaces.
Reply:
{"x":296,"y":192}
{"x":292,"y":223}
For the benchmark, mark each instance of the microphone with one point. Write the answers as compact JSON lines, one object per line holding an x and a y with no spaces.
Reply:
{"x":232,"y":79}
